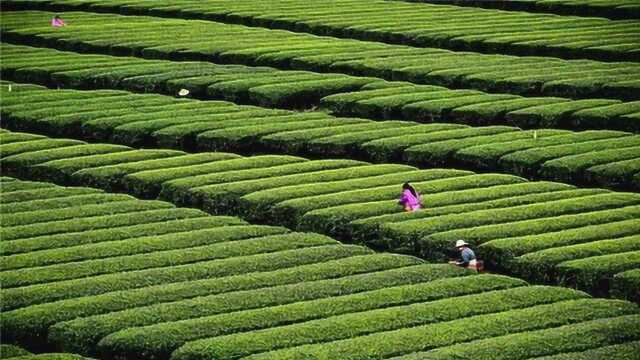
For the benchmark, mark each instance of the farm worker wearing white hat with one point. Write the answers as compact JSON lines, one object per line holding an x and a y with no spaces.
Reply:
{"x":466,"y":254}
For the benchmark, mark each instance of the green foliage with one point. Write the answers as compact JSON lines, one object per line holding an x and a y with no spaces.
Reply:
{"x":164,"y":338}
{"x":480,"y":234}
{"x":416,"y":338}
{"x":180,"y":222}
{"x":9,"y":351}
{"x":148,"y":183}
{"x":568,"y":338}
{"x":626,"y":285}
{"x":41,"y":293}
{"x":30,"y":324}
{"x":594,"y":273}
{"x":227,"y":229}
{"x":205,"y":316}
{"x":110,"y":177}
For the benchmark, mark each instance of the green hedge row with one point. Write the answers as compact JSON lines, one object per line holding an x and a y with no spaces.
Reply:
{"x":41,"y":293}
{"x":448,"y":180}
{"x":550,"y":154}
{"x":8,"y":137}
{"x":52,"y":356}
{"x":442,"y":242}
{"x":149,"y":183}
{"x":528,"y":161}
{"x":604,"y":158}
{"x":425,"y":103}
{"x":437,"y":26}
{"x":155,"y":227}
{"x":356,"y":201}
{"x":612,"y":9}
{"x":162,"y":259}
{"x":231,"y":230}
{"x":9,"y":351}
{"x":372,"y":227}
{"x":406,"y":340}
{"x":20,"y":186}
{"x":64,"y":167}
{"x":155,"y":212}
{"x":30,"y":324}
{"x":266,"y":87}
{"x":518,"y":246}
{"x":568,"y":338}
{"x":66,"y":202}
{"x":626,"y":285}
{"x":109,"y":177}
{"x":341,"y":218}
{"x":594,"y":273}
{"x":488,"y":156}
{"x":178,"y":190}
{"x":624,"y":351}
{"x":198,"y":317}
{"x":542,"y":262}
{"x":406,"y":231}
{"x":162,"y":339}
{"x":378,"y":320}
{"x":620,"y":173}
{"x":141,"y":36}
{"x":11,"y":164}
{"x":18,"y":197}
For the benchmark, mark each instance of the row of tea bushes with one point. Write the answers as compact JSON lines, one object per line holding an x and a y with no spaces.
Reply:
{"x":211,"y":41}
{"x":601,"y":259}
{"x":589,"y":157}
{"x":14,"y":352}
{"x":429,"y":25}
{"x":612,"y":9}
{"x":371,"y":98}
{"x":351,"y":200}
{"x":425,"y":103}
{"x":324,"y":297}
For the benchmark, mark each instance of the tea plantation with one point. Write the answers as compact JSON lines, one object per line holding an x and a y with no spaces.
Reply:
{"x":208,"y":180}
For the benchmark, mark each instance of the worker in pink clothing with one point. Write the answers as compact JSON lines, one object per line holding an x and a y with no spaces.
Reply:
{"x":410,"y":198}
{"x":57,"y":21}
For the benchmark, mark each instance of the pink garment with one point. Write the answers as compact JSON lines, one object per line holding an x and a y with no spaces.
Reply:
{"x":410,"y":202}
{"x":57,"y":22}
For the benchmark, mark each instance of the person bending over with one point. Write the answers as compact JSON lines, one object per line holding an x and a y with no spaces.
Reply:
{"x":466,"y":254}
{"x":410,"y":199}
{"x":57,"y":21}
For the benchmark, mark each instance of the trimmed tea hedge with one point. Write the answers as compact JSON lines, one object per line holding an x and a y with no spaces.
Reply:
{"x":575,"y":337}
{"x":621,"y":351}
{"x":265,"y":308}
{"x":396,"y":342}
{"x":429,"y":25}
{"x":30,"y":324}
{"x":155,"y":227}
{"x":9,"y":351}
{"x":626,"y":285}
{"x":267,"y":87}
{"x":215,"y":126}
{"x":160,"y":259}
{"x":41,"y":293}
{"x":349,"y":199}
{"x":141,"y":36}
{"x":613,"y":9}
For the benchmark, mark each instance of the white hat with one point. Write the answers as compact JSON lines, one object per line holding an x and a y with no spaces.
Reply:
{"x":183,"y":92}
{"x":460,"y":243}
